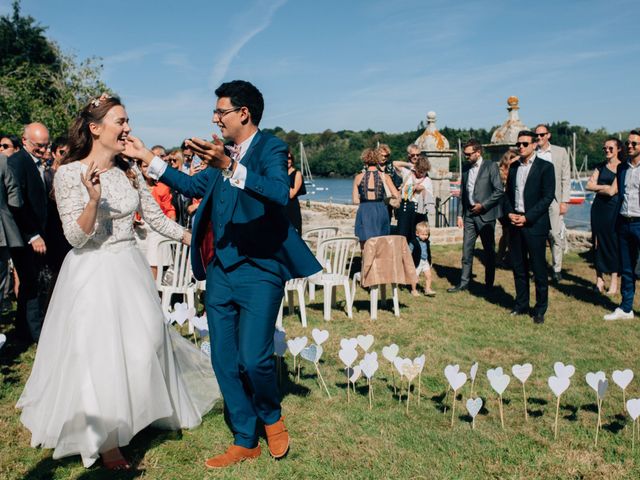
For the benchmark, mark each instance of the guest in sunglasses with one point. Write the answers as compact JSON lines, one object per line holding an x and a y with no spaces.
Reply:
{"x":529,"y":191}
{"x":627,"y":183}
{"x":9,"y":144}
{"x":604,"y":213}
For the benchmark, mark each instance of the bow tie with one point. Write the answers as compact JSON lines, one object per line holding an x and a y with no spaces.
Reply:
{"x":234,"y":151}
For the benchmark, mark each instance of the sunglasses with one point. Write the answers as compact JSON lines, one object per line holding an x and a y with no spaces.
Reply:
{"x":5,"y":146}
{"x":632,"y":144}
{"x":522,"y":144}
{"x":413,"y":155}
{"x":540,"y":135}
{"x":468,"y":154}
{"x":607,"y":149}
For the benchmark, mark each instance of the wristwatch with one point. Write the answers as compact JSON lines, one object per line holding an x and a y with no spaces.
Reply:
{"x":228,"y":172}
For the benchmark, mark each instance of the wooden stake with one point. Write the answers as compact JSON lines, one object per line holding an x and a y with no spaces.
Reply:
{"x":400,"y":392}
{"x":370,"y":403}
{"x":598,"y":424}
{"x":322,"y":380}
{"x":524,"y":394}
{"x":555,"y":425}
{"x":348,"y":385}
{"x":624,"y":400}
{"x":393,"y":376}
{"x":473,"y":423}
{"x":501,"y":414}
{"x":298,"y":376}
{"x":408,"y":394}
{"x":633,"y":438}
{"x":453,"y":407}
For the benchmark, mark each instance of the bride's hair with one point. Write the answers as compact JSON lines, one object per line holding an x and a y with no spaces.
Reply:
{"x":81,"y":140}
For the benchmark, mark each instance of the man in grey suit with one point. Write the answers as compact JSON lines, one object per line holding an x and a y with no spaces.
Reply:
{"x":481,"y":193}
{"x":9,"y":234}
{"x":559,"y":157}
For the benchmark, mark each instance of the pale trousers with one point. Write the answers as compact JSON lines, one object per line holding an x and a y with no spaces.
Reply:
{"x":555,"y":235}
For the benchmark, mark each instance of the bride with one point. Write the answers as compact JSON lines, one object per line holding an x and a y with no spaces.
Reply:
{"x":107,"y":366}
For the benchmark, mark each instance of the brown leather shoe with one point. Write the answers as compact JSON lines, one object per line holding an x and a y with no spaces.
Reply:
{"x":277,"y":438}
{"x":233,"y":455}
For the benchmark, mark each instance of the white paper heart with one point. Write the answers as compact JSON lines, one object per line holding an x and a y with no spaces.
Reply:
{"x":201,"y":325}
{"x":205,"y":347}
{"x":474,"y":405}
{"x":181,"y":313}
{"x":633,"y":407}
{"x":349,"y":343}
{"x":410,"y":371}
{"x":500,"y":383}
{"x":559,"y":385}
{"x":603,"y":385}
{"x":319,"y":336}
{"x":400,"y":363}
{"x":348,"y":356}
{"x":3,"y":339}
{"x":594,"y":378}
{"x":563,"y":370}
{"x":390,"y":352}
{"x":365,"y":341}
{"x":450,"y":371}
{"x":522,"y":372}
{"x":296,"y":345}
{"x":457,"y":380}
{"x":494,"y":373}
{"x":312,"y":353}
{"x":369,"y":364}
{"x":622,"y":378}
{"x":419,"y":362}
{"x":279,"y":342}
{"x":354,"y":373}
{"x":474,"y":371}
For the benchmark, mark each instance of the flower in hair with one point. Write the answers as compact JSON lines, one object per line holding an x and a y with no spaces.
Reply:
{"x":96,"y":101}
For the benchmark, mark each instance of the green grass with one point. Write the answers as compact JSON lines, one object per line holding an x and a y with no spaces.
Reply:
{"x":335,"y":439}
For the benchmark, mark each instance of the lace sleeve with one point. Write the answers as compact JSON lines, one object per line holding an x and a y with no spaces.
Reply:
{"x":152,"y":213}
{"x":71,"y":201}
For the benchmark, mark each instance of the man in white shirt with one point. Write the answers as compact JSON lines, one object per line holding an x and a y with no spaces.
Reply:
{"x":628,"y":226}
{"x":559,"y":157}
{"x":481,"y":193}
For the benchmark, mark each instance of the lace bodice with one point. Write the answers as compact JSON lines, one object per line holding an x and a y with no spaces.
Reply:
{"x":114,"y":222}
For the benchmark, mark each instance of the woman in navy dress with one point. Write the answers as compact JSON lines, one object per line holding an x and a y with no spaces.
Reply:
{"x":604,"y":212}
{"x":372,"y":219}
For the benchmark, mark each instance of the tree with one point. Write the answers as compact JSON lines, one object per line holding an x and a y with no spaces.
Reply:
{"x":37,"y":81}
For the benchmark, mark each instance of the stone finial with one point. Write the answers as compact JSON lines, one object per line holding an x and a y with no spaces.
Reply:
{"x":431,"y":139}
{"x":513,"y":101}
{"x":507,"y":133}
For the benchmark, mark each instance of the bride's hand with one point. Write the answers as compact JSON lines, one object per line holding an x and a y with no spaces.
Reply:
{"x":91,"y":181}
{"x":135,"y":148}
{"x":186,"y":237}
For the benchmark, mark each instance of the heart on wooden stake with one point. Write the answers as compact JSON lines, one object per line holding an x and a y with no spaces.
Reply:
{"x":181,"y":313}
{"x":201,"y":325}
{"x":354,"y":373}
{"x":474,"y":371}
{"x":400,"y":364}
{"x":457,"y":380}
{"x":558,"y":385}
{"x":500,"y":383}
{"x":312,"y":353}
{"x":494,"y":373}
{"x":369,"y":364}
{"x":279,"y":342}
{"x":296,"y":345}
{"x":450,"y":371}
{"x":410,"y":371}
{"x":633,"y":407}
{"x":622,"y":378}
{"x":603,"y":385}
{"x":474,"y":405}
{"x":349,"y":343}
{"x":319,"y":336}
{"x":522,"y":372}
{"x":390,"y":352}
{"x":365,"y":341}
{"x":419,"y":362}
{"x":348,"y":356}
{"x":562,"y":370}
{"x":594,"y":378}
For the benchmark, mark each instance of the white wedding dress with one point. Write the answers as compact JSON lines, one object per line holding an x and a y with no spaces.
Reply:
{"x":107,"y":365}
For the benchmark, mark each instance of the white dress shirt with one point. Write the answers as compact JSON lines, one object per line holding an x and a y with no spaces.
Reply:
{"x":521,"y":181}
{"x":471,"y":179}
{"x":545,"y":154}
{"x":631,"y":201}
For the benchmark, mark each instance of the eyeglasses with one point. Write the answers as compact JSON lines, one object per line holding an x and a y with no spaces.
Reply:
{"x":522,"y":144}
{"x":4,"y":146}
{"x":39,"y":145}
{"x":468,"y":154}
{"x":221,"y":113}
{"x":540,"y":135}
{"x":632,"y":144}
{"x":607,"y":149}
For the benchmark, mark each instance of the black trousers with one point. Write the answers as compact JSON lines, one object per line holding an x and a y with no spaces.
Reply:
{"x":528,"y":252}
{"x":473,"y":227}
{"x":29,"y":315}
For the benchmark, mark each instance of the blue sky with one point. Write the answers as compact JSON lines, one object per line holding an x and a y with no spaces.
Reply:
{"x":358,"y":64}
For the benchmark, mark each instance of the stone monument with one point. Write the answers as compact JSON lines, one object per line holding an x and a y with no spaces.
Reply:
{"x":505,"y":136}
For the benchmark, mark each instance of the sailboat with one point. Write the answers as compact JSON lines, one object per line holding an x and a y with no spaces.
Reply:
{"x":578,"y":193}
{"x":306,"y":173}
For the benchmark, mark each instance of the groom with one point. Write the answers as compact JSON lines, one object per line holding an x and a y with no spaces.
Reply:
{"x":246,"y":248}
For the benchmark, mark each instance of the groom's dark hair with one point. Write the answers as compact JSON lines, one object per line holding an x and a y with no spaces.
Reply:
{"x":243,"y":94}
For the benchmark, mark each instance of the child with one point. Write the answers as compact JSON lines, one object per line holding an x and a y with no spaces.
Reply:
{"x":421,"y":251}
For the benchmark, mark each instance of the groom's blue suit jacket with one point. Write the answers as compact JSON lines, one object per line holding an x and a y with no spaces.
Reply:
{"x":250,"y":223}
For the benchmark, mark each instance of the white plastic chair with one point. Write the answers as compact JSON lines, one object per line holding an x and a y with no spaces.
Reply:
{"x":315,"y":236}
{"x":373,"y":296}
{"x":293,"y":285}
{"x":337,"y":254}
{"x":180,"y":282}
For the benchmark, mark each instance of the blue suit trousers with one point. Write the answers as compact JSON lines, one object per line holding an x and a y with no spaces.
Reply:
{"x":629,"y":243}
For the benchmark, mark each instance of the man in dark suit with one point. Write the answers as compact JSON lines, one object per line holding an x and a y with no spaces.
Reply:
{"x":530,"y":190}
{"x":28,"y":169}
{"x":246,"y":248}
{"x":480,"y":195}
{"x":628,"y":226}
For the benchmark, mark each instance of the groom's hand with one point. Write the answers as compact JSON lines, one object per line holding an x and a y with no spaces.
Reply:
{"x":212,"y":153}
